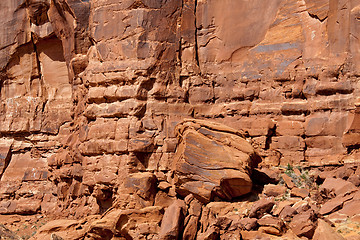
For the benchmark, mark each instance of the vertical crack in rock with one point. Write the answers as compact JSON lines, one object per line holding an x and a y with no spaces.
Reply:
{"x":305,"y":147}
{"x":271,"y":133}
{"x":36,"y":56}
{"x":5,"y":157}
{"x":179,"y":37}
{"x":40,"y":75}
{"x":196,"y":41}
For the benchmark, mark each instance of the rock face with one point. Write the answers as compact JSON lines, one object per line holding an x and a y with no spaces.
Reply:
{"x":91,"y":92}
{"x":212,"y":159}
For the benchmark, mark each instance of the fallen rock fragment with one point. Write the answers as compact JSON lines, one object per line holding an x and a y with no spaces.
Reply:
{"x":288,"y":181}
{"x":212,"y":160}
{"x":132,"y":224}
{"x":6,"y":234}
{"x":271,"y":225}
{"x":191,"y":221}
{"x":261,"y":207}
{"x":338,"y":186}
{"x":351,"y":207}
{"x":325,"y":232}
{"x":191,"y":228}
{"x":287,"y":213}
{"x":211,"y":233}
{"x":334,"y":204}
{"x":304,"y":224}
{"x":299,"y":192}
{"x":172,"y":222}
{"x":248,"y":223}
{"x":265,"y":175}
{"x":272,"y":190}
{"x":65,"y":229}
{"x":337,"y":217}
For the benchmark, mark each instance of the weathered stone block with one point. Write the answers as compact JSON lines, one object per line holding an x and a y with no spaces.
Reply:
{"x":291,"y":157}
{"x":329,"y":88}
{"x":322,"y":124}
{"x":294,"y":143}
{"x":325,"y":142}
{"x":98,"y":147}
{"x":170,"y":144}
{"x":265,"y":108}
{"x":20,"y":164}
{"x":141,"y":145}
{"x":106,"y":176}
{"x":209,"y":110}
{"x":202,"y":150}
{"x":223,"y":94}
{"x":351,"y":139}
{"x":125,"y":92}
{"x":35,"y":175}
{"x":102,"y":129}
{"x":200,"y":95}
{"x":293,"y":108}
{"x":143,"y":184}
{"x":110,"y":93}
{"x":115,"y":109}
{"x":96,"y":94}
{"x":101,"y":169}
{"x":289,"y":128}
{"x":160,"y":108}
{"x":172,"y":220}
{"x":238,"y":108}
{"x":256,"y":126}
{"x":122,"y":129}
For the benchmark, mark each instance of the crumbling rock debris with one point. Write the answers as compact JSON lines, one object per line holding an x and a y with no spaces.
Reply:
{"x":6,"y":234}
{"x":212,"y":159}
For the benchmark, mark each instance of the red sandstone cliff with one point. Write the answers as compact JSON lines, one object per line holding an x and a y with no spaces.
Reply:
{"x":91,"y":92}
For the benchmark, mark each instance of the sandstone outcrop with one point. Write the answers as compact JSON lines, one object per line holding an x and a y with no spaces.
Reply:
{"x":212,"y":160}
{"x":91,"y":92}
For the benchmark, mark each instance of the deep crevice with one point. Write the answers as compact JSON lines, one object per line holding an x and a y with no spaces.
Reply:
{"x":352,"y":148}
{"x":180,"y":39}
{"x":37,"y":56}
{"x":305,"y":147}
{"x":196,"y":33}
{"x":317,"y":17}
{"x":271,"y":133}
{"x":6,"y":161}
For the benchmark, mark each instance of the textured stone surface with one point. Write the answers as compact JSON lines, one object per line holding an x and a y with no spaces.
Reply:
{"x":212,"y":159}
{"x":91,"y":92}
{"x":324,"y":231}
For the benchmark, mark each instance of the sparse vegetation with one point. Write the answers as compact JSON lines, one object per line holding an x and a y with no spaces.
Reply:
{"x":300,"y":180}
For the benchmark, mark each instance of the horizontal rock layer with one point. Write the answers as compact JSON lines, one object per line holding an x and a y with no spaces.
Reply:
{"x":91,"y":92}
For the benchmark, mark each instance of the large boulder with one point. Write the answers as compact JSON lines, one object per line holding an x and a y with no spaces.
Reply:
{"x":212,"y":160}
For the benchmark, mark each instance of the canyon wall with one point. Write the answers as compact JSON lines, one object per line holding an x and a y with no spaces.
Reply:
{"x":91,"y":92}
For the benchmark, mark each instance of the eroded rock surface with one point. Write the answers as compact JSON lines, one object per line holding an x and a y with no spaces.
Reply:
{"x":212,"y":159}
{"x":91,"y":92}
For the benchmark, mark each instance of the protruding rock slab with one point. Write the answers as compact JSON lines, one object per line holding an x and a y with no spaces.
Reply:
{"x":172,"y":221}
{"x":325,"y":232}
{"x":212,"y":159}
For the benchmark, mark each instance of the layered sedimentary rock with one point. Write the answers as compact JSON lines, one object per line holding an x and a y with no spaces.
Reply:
{"x":91,"y":92}
{"x":212,"y":159}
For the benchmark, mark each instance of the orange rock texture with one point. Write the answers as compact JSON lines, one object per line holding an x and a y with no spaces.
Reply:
{"x":94,"y":94}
